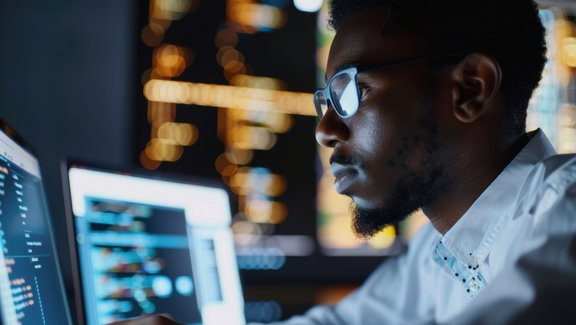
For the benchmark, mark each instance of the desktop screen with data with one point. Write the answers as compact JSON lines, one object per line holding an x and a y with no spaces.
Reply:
{"x":135,"y":260}
{"x":148,"y":246}
{"x":31,"y":290}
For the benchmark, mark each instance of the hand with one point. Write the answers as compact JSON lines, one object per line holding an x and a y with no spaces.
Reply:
{"x":148,"y":320}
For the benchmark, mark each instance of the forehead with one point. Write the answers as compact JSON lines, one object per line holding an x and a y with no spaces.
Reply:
{"x":371,"y":37}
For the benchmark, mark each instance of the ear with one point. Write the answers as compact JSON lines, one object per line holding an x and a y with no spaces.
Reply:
{"x":478,"y":78}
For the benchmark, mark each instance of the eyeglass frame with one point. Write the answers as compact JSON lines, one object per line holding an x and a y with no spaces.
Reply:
{"x":353,"y":73}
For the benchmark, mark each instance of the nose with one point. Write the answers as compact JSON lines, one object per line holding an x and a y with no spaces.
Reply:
{"x":331,"y":129}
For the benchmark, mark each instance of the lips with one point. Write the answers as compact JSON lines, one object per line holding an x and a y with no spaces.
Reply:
{"x":345,"y":175}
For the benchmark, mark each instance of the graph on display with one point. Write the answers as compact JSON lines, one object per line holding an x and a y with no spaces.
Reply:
{"x":135,"y":261}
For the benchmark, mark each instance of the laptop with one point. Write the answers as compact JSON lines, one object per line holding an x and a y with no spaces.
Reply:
{"x":31,"y":285}
{"x":148,"y":245}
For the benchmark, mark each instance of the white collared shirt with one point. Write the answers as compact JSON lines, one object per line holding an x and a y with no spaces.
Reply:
{"x":492,"y":256}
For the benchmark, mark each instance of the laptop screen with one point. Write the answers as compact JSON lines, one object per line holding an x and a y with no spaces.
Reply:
{"x":148,"y":246}
{"x":31,"y":289}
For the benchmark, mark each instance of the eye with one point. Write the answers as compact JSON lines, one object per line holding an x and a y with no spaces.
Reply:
{"x":363,"y":89}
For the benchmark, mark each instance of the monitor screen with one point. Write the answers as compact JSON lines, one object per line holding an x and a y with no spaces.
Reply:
{"x":147,"y":245}
{"x":31,"y":288}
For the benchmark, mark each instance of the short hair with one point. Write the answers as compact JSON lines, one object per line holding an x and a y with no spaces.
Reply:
{"x":508,"y":30}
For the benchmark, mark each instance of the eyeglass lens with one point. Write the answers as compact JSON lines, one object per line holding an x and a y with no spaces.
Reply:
{"x":321,"y":103}
{"x":343,"y":95}
{"x":343,"y":91}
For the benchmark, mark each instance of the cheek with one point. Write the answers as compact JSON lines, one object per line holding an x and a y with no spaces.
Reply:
{"x":393,"y":136}
{"x":375,"y":137}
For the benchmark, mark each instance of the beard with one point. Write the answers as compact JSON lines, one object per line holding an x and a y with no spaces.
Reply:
{"x":410,"y":194}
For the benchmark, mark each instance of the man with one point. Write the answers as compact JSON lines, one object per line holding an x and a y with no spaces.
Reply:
{"x":425,"y":107}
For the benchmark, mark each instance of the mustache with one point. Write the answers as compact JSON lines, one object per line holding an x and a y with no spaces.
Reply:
{"x":345,"y":160}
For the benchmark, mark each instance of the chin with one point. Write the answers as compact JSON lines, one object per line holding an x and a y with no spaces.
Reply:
{"x":369,"y":221}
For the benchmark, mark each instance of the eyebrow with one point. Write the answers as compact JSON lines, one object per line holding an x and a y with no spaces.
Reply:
{"x":342,"y":67}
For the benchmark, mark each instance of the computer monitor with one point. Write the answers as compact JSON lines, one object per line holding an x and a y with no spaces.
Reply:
{"x":31,"y":286}
{"x":148,"y":245}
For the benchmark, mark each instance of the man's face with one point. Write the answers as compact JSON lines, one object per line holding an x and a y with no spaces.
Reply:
{"x":386,"y":156}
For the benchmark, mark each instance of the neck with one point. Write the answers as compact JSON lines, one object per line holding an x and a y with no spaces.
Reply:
{"x":468,"y":177}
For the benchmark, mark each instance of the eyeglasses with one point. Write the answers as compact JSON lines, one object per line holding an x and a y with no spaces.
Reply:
{"x":342,"y":90}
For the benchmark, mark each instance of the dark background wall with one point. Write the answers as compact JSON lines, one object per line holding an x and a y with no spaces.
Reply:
{"x":65,"y":85}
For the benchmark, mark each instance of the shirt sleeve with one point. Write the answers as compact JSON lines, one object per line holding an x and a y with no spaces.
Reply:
{"x":391,"y":295}
{"x":538,"y":287}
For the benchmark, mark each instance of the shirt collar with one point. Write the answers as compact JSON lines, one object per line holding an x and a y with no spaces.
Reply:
{"x":470,"y":239}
